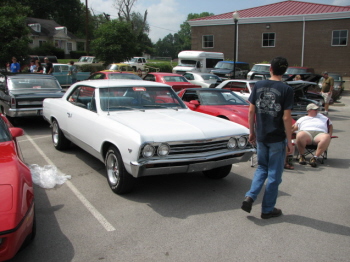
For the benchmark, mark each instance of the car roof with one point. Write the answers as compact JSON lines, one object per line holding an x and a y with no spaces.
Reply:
{"x":240,"y":80}
{"x":27,"y":75}
{"x":207,"y":89}
{"x":164,"y":74}
{"x":200,"y":73}
{"x":111,"y":72}
{"x":105,"y":83}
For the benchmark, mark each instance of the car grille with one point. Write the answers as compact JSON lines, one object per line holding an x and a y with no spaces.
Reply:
{"x":195,"y":147}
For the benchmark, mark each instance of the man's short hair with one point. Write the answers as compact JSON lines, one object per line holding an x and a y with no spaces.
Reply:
{"x":279,"y":65}
{"x":325,"y":73}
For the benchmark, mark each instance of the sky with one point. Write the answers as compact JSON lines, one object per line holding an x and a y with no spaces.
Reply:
{"x":166,"y":16}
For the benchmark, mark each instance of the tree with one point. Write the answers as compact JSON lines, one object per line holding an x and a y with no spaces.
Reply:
{"x":171,"y":45}
{"x":13,"y":30}
{"x":138,"y":24}
{"x":114,"y":42}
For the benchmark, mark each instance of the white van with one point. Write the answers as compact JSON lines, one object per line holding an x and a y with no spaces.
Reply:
{"x":197,"y":61}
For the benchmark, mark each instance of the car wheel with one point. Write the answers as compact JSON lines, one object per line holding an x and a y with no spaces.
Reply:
{"x":218,"y":173}
{"x":119,"y":180}
{"x":60,"y":142}
{"x":139,"y":73}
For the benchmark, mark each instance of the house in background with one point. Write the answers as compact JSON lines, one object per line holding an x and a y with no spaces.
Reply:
{"x":307,"y":34}
{"x":43,"y":30}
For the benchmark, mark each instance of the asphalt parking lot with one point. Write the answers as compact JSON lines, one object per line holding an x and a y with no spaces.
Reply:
{"x":189,"y":217}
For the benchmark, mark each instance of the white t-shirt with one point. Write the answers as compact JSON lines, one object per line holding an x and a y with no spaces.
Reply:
{"x":317,"y":123}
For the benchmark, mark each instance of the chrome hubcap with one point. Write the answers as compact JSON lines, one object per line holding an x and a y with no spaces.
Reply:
{"x":112,"y":169}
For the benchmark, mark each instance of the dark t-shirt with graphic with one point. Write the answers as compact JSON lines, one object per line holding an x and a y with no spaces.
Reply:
{"x":271,"y":98}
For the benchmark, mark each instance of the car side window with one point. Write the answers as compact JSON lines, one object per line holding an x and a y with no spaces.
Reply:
{"x":149,"y":77}
{"x":189,"y":96}
{"x":189,"y":76}
{"x":83,"y":96}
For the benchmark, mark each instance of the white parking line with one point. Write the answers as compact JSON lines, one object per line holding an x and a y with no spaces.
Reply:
{"x":100,"y":218}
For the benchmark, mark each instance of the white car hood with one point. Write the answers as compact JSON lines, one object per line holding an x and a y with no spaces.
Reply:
{"x":170,"y":125}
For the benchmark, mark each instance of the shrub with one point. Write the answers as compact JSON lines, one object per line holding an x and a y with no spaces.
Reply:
{"x":162,"y":66}
{"x":91,"y":67}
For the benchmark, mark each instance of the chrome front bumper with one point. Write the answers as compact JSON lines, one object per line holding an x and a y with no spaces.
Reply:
{"x":189,"y":165}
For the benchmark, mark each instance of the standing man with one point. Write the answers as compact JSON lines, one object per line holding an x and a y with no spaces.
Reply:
{"x":270,"y":124}
{"x":15,"y":67}
{"x":48,"y":67}
{"x":73,"y":72}
{"x":327,"y":89}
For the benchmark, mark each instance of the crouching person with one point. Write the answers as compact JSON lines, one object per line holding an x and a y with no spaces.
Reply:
{"x":313,"y":129}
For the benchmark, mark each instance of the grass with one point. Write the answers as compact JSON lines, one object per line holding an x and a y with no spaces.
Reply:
{"x":66,"y":61}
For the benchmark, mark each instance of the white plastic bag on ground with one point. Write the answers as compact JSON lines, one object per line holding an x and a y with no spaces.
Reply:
{"x":47,"y":176}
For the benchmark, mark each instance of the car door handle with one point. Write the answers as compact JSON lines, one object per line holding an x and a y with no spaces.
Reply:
{"x":69,"y":114}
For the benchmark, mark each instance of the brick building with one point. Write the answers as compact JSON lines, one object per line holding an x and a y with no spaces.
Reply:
{"x":307,"y":34}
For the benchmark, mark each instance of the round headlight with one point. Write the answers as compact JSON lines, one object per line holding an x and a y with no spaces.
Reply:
{"x":163,"y":150}
{"x":232,"y":143}
{"x":242,"y":142}
{"x":148,"y":151}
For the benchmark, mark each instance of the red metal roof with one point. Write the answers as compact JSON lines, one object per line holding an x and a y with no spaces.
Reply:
{"x":284,"y":8}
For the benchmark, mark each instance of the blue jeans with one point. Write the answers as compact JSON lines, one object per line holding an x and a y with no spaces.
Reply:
{"x":271,"y":158}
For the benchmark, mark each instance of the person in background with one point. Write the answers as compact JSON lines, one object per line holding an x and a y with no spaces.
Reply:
{"x":39,"y":68}
{"x":327,"y":89}
{"x":313,"y":129}
{"x":32,"y":67}
{"x":15,"y":67}
{"x":48,"y":67}
{"x":73,"y":72}
{"x":270,"y":124}
{"x":297,"y":77}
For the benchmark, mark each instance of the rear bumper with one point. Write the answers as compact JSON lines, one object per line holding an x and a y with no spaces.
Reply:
{"x":12,"y":112}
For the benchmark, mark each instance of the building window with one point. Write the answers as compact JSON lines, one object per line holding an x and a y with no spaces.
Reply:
{"x":340,"y":38}
{"x":208,"y":41}
{"x":41,"y":42}
{"x":268,"y":40}
{"x":69,"y":46}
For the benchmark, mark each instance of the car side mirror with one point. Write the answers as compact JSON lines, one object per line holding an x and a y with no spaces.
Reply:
{"x":195,"y":103}
{"x":16,"y":132}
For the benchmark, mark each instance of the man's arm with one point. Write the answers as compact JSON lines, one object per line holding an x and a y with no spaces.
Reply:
{"x":251,"y":119}
{"x":330,"y":130}
{"x":287,"y":121}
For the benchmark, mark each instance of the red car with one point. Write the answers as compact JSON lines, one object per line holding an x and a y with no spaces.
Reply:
{"x":17,"y":218}
{"x":176,"y":81}
{"x":217,"y":102}
{"x":113,"y":75}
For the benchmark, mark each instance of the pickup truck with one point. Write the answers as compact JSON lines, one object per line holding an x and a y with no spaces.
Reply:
{"x":60,"y":71}
{"x":85,"y":60}
{"x":138,"y":64}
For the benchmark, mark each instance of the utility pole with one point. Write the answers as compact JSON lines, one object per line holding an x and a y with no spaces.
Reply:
{"x":87,"y":27}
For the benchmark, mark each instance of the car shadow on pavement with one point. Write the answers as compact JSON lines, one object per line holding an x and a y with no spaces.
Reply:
{"x":316,"y":224}
{"x":50,"y":245}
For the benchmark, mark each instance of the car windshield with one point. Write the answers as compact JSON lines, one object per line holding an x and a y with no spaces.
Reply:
{"x":124,"y":76}
{"x":174,"y":79}
{"x":222,"y":65}
{"x":189,"y":63}
{"x":83,"y":59}
{"x":139,"y":98}
{"x":112,"y":67}
{"x":210,"y":77}
{"x":295,"y":71}
{"x":4,"y":134}
{"x":261,"y":68}
{"x":33,"y":83}
{"x":211,"y":97}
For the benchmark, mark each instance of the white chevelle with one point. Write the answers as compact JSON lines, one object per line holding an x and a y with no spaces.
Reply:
{"x":140,"y":128}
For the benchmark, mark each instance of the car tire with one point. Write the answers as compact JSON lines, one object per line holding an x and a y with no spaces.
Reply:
{"x":59,"y":141}
{"x":119,"y":180}
{"x":218,"y":173}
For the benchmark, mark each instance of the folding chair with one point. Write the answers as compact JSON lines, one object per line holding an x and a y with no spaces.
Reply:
{"x":311,"y":149}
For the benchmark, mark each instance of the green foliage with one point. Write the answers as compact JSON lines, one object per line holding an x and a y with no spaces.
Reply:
{"x":13,"y":31}
{"x":162,"y":66}
{"x":172,"y":44}
{"x":91,"y":67}
{"x":77,"y":54}
{"x":114,"y":42}
{"x":48,"y":49}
